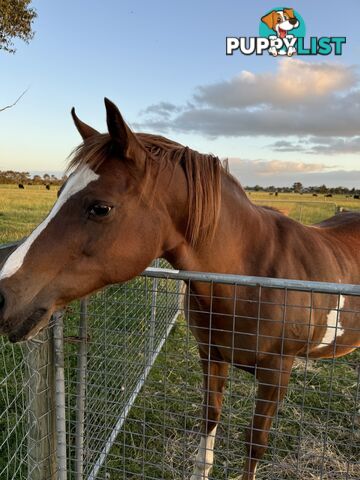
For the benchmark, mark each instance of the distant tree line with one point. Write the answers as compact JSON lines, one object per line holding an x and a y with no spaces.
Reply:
{"x":297,"y":187}
{"x":24,"y":178}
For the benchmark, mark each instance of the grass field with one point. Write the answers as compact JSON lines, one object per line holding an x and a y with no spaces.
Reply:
{"x":305,"y":208}
{"x":316,"y":437}
{"x":21,"y":210}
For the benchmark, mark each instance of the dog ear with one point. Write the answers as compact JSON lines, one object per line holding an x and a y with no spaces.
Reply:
{"x":289,"y":12}
{"x":269,"y":20}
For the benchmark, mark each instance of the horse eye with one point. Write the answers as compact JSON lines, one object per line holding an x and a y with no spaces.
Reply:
{"x":100,"y":210}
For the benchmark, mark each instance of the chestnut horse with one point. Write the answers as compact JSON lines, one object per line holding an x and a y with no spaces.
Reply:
{"x":135,"y":197}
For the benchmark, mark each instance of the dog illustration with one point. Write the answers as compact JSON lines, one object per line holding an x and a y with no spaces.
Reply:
{"x":282,"y":22}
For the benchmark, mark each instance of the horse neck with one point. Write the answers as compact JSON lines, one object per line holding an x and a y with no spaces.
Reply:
{"x":233,"y":235}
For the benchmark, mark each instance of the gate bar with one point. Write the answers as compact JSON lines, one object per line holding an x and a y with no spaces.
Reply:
{"x":301,"y":285}
{"x":60,"y":420}
{"x":81,"y":390}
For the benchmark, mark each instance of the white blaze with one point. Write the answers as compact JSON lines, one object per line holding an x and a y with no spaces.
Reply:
{"x":205,"y":457}
{"x":334,"y":326}
{"x":77,"y":182}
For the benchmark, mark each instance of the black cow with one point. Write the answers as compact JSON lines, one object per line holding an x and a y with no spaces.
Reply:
{"x":21,"y":186}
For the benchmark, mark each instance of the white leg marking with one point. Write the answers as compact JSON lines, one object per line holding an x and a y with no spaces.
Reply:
{"x":334,"y":326}
{"x":205,"y":457}
{"x":76,"y":182}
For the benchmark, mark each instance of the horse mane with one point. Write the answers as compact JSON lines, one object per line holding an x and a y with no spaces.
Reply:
{"x":203,"y":174}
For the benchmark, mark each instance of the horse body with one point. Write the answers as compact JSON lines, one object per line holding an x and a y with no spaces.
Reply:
{"x":133,"y":198}
{"x":263,"y":331}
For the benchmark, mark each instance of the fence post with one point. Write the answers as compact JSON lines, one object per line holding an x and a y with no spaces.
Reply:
{"x":60,"y":419}
{"x":40,"y":439}
{"x":81,"y":390}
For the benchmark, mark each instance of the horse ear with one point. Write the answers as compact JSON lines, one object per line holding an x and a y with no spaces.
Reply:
{"x":85,"y":130}
{"x":118,"y":129}
{"x":128,"y":144}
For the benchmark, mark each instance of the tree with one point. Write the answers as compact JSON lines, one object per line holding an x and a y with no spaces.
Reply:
{"x":297,"y":187}
{"x":16,"y":21}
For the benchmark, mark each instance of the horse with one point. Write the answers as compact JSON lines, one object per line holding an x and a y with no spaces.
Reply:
{"x":134,"y":197}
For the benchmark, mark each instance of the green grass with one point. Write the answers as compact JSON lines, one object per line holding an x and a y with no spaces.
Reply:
{"x":305,"y":208}
{"x":340,"y":200}
{"x":22,"y":210}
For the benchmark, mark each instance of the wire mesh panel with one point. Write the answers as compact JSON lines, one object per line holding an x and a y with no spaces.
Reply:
{"x":27,"y":405}
{"x":26,"y":446}
{"x":127,"y":328}
{"x":136,"y":399}
{"x":146,"y":423}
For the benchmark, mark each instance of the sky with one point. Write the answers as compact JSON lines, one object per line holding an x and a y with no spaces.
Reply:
{"x":278,"y":120}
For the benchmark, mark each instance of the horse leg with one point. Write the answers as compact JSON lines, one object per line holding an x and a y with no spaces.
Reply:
{"x":273,"y":381}
{"x":215,"y":375}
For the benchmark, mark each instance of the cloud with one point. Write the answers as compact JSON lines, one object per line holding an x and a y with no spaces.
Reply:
{"x":271,"y":167}
{"x":330,"y":120}
{"x":299,"y":99}
{"x":319,"y":145}
{"x":278,"y":173}
{"x":295,"y":81}
{"x":337,"y":146}
{"x":287,"y":146}
{"x":161,"y":108}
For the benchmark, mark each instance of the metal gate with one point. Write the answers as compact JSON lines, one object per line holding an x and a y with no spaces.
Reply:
{"x":117,"y":393}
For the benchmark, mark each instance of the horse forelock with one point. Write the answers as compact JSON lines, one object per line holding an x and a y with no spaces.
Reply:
{"x":202,"y":171}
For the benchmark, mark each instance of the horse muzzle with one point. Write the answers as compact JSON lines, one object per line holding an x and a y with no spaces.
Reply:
{"x":21,"y":329}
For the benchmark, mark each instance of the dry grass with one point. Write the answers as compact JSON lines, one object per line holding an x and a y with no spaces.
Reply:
{"x":22,"y":210}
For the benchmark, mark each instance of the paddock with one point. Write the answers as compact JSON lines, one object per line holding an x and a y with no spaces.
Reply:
{"x":113,"y":390}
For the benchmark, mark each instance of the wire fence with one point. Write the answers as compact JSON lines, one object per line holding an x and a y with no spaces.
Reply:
{"x":128,"y":327}
{"x":117,"y":393}
{"x":26,"y":410}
